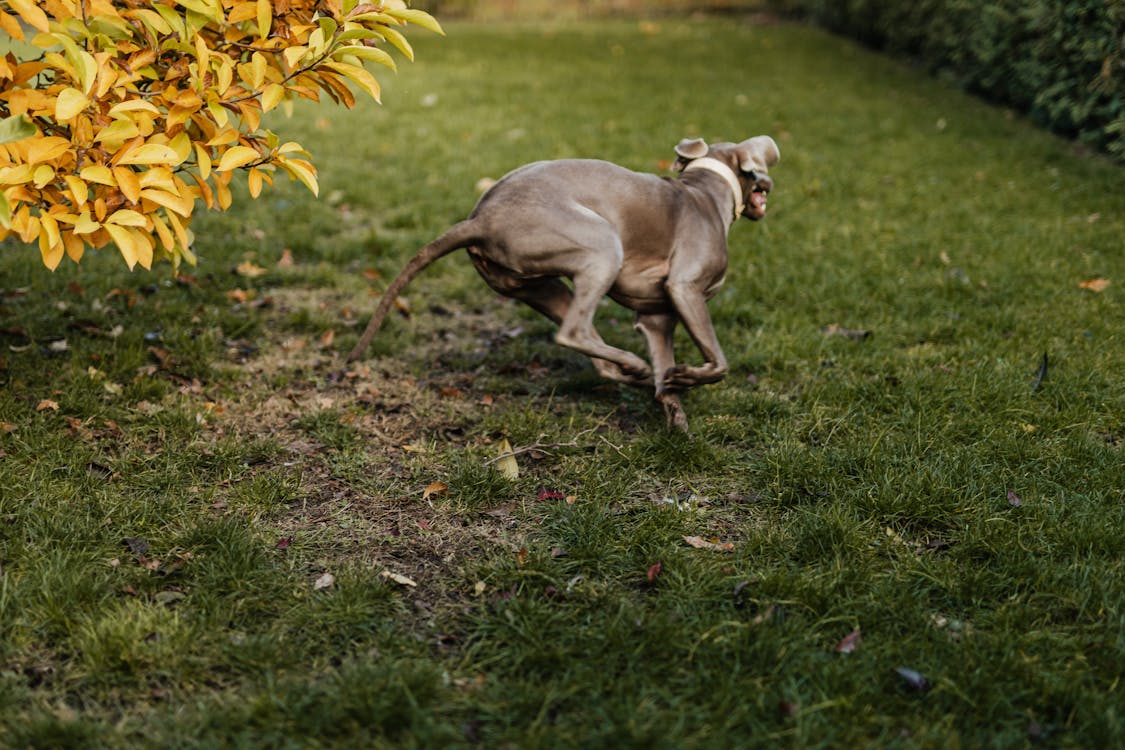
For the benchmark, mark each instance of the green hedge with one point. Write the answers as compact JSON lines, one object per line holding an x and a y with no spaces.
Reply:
{"x":1062,"y":61}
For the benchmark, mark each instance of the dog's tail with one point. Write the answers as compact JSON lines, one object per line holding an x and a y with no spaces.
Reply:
{"x":460,"y":235}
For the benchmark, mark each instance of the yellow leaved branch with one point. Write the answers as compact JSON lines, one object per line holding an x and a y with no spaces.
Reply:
{"x":128,"y":116}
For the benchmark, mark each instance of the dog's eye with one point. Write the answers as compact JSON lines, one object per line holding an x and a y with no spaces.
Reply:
{"x":752,"y":175}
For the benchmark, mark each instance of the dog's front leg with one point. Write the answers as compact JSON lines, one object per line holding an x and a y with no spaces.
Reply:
{"x":692,"y":308}
{"x":657,"y":330}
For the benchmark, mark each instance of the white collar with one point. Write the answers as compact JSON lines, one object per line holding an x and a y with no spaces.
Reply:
{"x":721,"y":169}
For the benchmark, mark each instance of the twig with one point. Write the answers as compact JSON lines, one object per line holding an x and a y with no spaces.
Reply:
{"x":1041,"y":375}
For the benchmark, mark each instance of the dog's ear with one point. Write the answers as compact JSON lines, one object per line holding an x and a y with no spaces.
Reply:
{"x":758,"y":154}
{"x":691,"y":148}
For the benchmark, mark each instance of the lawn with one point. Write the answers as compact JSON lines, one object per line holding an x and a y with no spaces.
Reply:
{"x":213,"y":534}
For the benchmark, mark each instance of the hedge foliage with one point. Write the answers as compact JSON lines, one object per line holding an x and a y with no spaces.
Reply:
{"x":1062,"y":61}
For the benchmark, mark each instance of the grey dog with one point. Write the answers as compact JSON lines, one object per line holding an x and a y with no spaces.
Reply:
{"x":656,"y":245}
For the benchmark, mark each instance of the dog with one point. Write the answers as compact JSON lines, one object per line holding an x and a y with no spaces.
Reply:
{"x":657,"y":245}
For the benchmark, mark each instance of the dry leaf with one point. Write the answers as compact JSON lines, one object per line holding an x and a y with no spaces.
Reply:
{"x":506,"y":464}
{"x":700,"y":543}
{"x":850,"y":642}
{"x":286,"y":259}
{"x":399,"y":579}
{"x":1014,"y":500}
{"x":434,"y":488}
{"x":250,"y":270}
{"x":1097,"y":284}
{"x":47,"y":405}
{"x":653,"y":572}
{"x":324,"y":582}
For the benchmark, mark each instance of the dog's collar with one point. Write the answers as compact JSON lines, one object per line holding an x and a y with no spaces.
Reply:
{"x":721,"y":169}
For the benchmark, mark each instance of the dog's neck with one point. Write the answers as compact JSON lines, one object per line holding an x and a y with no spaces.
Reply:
{"x":721,"y":169}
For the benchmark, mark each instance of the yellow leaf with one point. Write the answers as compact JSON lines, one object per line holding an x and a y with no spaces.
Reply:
{"x":237,"y":156}
{"x":79,"y":190}
{"x":254,"y":182}
{"x":129,"y":183}
{"x":31,"y":13}
{"x":85,"y":224}
{"x":133,"y":105}
{"x":125,"y":217}
{"x":506,"y":463}
{"x":69,"y":103}
{"x":303,"y":171}
{"x":272,"y":96}
{"x":47,"y":149}
{"x":203,"y":159}
{"x":75,"y":246}
{"x":292,"y":55}
{"x":152,"y":153}
{"x":265,"y":18}
{"x":163,"y":232}
{"x":417,"y":17}
{"x":44,"y":175}
{"x":99,"y":174}
{"x":360,"y":76}
{"x":170,"y":201}
{"x":124,"y":241}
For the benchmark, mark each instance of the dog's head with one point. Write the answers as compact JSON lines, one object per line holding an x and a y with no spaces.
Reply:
{"x":749,"y":161}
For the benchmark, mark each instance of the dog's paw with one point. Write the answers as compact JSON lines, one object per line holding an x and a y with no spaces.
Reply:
{"x":685,"y":376}
{"x":612,"y":371}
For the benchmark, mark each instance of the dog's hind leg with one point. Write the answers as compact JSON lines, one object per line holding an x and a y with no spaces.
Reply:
{"x":577,"y":328}
{"x":552,"y":298}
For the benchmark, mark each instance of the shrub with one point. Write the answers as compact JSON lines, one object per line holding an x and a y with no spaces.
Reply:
{"x":1062,"y":61}
{"x":119,"y":116}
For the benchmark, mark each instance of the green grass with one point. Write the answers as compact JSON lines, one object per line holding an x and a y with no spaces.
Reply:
{"x":862,"y":484}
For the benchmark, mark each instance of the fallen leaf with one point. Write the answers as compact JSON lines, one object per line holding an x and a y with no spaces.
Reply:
{"x":700,"y":543}
{"x":284,"y":543}
{"x":1096,"y":284}
{"x":653,"y":572}
{"x":8,"y":427}
{"x":1014,"y":500}
{"x":547,"y":494}
{"x":327,"y":338}
{"x":286,"y":259}
{"x":913,"y":679}
{"x":506,"y":464}
{"x":47,"y":405}
{"x":325,"y":581}
{"x":479,"y":588}
{"x":396,"y":578}
{"x":850,"y":642}
{"x":250,"y":270}
{"x":424,"y":525}
{"x":434,"y":488}
{"x":241,"y":295}
{"x":557,"y":552}
{"x":521,"y":556}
